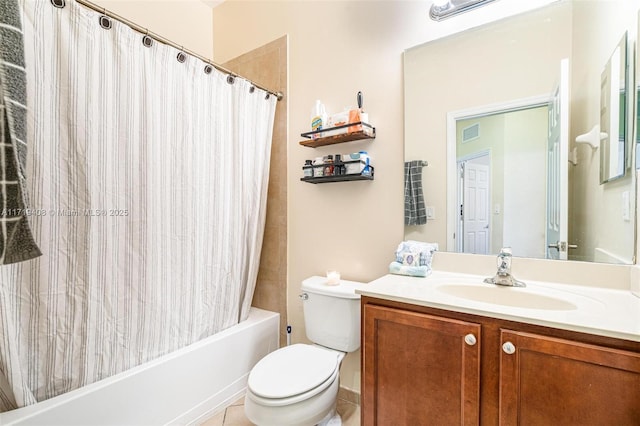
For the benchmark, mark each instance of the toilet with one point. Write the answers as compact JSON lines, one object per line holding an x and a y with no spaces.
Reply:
{"x":298,"y":384}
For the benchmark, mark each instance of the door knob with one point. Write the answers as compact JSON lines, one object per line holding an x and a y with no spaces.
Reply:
{"x":509,"y":348}
{"x":562,"y":246}
{"x":470,"y":339}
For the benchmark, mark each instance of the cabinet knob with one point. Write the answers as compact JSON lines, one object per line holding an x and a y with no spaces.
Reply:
{"x":470,"y":339}
{"x":509,"y":348}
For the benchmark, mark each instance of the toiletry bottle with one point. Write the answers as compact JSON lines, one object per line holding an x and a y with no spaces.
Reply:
{"x":338,"y":165}
{"x":328,"y":166}
{"x":307,"y":169}
{"x":318,"y":167}
{"x":318,"y":119}
{"x":366,"y":171}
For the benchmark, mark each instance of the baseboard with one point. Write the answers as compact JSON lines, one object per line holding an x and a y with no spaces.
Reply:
{"x":349,"y":395}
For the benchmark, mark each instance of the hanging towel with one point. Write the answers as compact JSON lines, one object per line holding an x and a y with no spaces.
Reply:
{"x":16,"y":240}
{"x":414,"y":211}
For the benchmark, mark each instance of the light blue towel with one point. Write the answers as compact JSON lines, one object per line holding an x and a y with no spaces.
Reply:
{"x":413,"y":271}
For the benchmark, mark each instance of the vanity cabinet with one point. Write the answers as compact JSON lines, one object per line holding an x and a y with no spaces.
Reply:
{"x":549,"y":381}
{"x":420,"y":367}
{"x":428,"y":366}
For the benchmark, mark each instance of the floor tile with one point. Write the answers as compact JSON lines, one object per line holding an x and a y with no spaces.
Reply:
{"x":217,"y":420}
{"x":349,"y":412}
{"x":235,"y":416}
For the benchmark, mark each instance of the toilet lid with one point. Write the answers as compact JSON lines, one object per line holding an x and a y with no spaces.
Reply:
{"x":292,"y":370}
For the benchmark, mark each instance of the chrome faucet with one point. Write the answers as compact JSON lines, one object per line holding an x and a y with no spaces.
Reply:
{"x":503,"y":276}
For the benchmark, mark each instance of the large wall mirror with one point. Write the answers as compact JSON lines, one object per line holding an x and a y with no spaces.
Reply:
{"x":495,"y":111}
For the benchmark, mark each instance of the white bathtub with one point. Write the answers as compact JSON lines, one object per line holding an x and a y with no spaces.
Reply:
{"x":183,"y":387}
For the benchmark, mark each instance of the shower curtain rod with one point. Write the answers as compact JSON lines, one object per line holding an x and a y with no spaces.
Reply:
{"x":159,"y":38}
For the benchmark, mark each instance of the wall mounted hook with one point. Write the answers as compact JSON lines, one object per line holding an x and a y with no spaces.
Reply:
{"x":592,"y":138}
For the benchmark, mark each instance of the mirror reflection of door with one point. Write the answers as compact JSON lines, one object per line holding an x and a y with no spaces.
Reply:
{"x":558,"y":168}
{"x":516,"y":139}
{"x":474,"y":223}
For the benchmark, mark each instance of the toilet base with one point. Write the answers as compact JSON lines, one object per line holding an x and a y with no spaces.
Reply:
{"x":332,"y":419}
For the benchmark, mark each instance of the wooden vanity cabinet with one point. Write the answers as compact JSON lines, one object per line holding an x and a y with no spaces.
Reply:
{"x":427,"y":366}
{"x":419,"y":367}
{"x":548,"y":381}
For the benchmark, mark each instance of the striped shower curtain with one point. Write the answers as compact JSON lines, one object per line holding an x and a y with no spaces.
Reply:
{"x":147,"y":178}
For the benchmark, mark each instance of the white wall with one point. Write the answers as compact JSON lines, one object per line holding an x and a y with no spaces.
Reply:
{"x":525,"y":182}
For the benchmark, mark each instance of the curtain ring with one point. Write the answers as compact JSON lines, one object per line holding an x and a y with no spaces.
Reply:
{"x":105,"y":22}
{"x":146,"y":40}
{"x":181,"y":55}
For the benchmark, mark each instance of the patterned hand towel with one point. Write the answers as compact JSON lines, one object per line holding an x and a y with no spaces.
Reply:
{"x":16,"y":240}
{"x":414,"y":211}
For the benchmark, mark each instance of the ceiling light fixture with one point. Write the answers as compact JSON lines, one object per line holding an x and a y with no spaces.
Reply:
{"x":443,"y":9}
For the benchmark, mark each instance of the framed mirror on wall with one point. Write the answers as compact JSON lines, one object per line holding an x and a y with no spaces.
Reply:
{"x":613,"y":115}
{"x":514,"y":66}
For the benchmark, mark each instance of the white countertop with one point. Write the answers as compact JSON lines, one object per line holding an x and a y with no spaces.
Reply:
{"x":605,"y":312}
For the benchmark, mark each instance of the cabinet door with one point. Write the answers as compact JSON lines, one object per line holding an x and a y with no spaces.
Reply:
{"x":419,"y":369}
{"x":548,"y":381}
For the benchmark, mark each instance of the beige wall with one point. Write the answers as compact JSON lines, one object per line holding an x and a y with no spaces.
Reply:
{"x":185,"y":22}
{"x":337,"y":48}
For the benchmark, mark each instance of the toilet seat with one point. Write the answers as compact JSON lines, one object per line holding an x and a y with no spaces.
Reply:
{"x":280,"y":402}
{"x":309,"y":370}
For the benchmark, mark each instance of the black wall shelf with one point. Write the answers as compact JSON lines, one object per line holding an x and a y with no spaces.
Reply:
{"x":338,"y":178}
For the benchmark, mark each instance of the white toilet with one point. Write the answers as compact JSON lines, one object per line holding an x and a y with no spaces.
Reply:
{"x":298,"y":384}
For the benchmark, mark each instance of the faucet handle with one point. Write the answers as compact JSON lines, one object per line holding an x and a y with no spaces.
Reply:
{"x":504,"y":260}
{"x":505,"y":251}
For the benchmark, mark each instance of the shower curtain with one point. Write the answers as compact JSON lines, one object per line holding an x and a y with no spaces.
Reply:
{"x":147,"y":178}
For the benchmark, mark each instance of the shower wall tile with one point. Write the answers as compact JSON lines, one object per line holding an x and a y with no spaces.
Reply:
{"x":267,"y":66}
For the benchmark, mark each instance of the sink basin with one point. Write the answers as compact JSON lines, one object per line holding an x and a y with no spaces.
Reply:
{"x":509,"y":296}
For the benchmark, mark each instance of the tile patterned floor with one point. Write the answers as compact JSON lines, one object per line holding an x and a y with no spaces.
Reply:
{"x":234,"y":415}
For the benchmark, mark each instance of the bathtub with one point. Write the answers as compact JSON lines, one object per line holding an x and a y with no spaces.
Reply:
{"x":183,"y":387}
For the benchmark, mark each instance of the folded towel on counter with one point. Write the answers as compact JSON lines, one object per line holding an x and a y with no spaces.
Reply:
{"x":413,"y":271}
{"x":408,"y":250}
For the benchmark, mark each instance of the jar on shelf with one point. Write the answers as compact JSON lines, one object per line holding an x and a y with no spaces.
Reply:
{"x":328,"y":166}
{"x":318,"y":167}
{"x":307,"y":169}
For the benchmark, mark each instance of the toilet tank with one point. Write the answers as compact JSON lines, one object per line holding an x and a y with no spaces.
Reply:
{"x":332,"y":313}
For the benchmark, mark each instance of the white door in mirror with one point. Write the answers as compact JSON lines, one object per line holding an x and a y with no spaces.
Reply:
{"x":558,"y":167}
